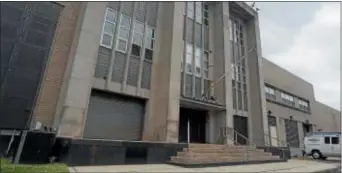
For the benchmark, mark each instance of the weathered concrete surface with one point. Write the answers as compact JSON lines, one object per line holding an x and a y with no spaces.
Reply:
{"x":290,"y":166}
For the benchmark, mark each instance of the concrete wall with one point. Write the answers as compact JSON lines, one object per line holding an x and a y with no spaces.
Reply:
{"x":326,"y":118}
{"x":79,"y":82}
{"x":165,"y":84}
{"x":320,"y":116}
{"x":285,"y":80}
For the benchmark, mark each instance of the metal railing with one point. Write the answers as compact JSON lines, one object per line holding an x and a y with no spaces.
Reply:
{"x":226,"y":135}
{"x":283,"y":147}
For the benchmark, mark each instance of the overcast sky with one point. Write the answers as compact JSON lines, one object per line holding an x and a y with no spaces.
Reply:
{"x":304,"y":38}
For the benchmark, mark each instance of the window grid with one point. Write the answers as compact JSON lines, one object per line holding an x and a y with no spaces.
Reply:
{"x":138,"y":37}
{"x":270,"y":93}
{"x":198,"y":62}
{"x":110,"y":20}
{"x":198,"y":12}
{"x":190,"y":9}
{"x":149,"y":43}
{"x":189,"y":64}
{"x":206,"y":65}
{"x":123,"y":33}
{"x":287,"y":99}
{"x":205,"y":13}
{"x":304,"y":105}
{"x":239,"y":75}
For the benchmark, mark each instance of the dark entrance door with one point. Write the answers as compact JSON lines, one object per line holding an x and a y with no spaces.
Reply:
{"x":307,"y":128}
{"x":27,"y":30}
{"x":197,"y":122}
{"x":241,"y":126}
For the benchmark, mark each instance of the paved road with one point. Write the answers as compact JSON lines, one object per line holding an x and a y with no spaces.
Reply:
{"x":332,"y":160}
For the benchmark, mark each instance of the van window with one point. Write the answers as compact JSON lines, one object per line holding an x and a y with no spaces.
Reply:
{"x":327,"y":140}
{"x":335,"y":140}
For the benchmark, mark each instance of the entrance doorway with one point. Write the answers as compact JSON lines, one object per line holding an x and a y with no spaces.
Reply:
{"x":307,"y":128}
{"x":192,"y":125}
{"x":241,"y":126}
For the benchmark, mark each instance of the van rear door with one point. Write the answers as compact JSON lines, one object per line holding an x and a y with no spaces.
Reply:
{"x":335,"y":147}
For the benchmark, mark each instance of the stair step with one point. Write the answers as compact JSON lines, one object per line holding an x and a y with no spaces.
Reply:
{"x":220,"y":146}
{"x":215,"y":154}
{"x":208,"y":150}
{"x":197,"y":160}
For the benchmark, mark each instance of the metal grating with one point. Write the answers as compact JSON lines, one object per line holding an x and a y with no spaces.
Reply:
{"x":189,"y":30}
{"x":188,"y":85}
{"x":115,"y":5}
{"x":140,"y":11}
{"x":102,"y":64}
{"x":27,"y":30}
{"x":198,"y":35}
{"x":146,"y":75}
{"x":133,"y":71}
{"x":127,"y":8}
{"x":198,"y":87}
{"x":118,"y":67}
{"x":152,"y":9}
{"x":292,"y":136}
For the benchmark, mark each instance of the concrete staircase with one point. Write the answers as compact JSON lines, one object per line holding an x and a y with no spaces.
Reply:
{"x":215,"y":154}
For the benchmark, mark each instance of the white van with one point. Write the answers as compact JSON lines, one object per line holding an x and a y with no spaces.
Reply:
{"x":321,"y":145}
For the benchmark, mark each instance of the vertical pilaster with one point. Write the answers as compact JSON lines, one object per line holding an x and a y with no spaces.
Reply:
{"x":74,"y":109}
{"x":165,"y":91}
{"x":227,"y":65}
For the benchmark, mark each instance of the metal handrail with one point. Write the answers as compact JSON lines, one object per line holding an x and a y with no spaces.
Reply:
{"x":269,"y":144}
{"x":244,"y":137}
{"x":278,"y":140}
{"x":234,"y":139}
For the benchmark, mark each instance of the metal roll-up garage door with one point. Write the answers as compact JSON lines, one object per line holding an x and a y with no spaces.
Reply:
{"x":291,"y":129}
{"x":114,"y":117}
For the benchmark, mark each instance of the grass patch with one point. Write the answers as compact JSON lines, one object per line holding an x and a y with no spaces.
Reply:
{"x":7,"y":167}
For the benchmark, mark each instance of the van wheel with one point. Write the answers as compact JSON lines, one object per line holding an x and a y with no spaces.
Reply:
{"x":316,"y":154}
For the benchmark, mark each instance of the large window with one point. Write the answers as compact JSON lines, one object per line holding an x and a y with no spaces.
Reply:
{"x":198,"y":61}
{"x":125,"y":24}
{"x":190,"y":9}
{"x":287,"y":99}
{"x":108,"y":29}
{"x":189,"y":49}
{"x":231,"y":35}
{"x":206,"y":65}
{"x":149,"y":45}
{"x":138,"y":35}
{"x":270,"y":93}
{"x":198,"y":12}
{"x":205,"y":13}
{"x":304,"y":105}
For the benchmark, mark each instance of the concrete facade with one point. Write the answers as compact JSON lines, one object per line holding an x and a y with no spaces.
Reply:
{"x":79,"y":64}
{"x":318,"y":115}
{"x":67,"y":112}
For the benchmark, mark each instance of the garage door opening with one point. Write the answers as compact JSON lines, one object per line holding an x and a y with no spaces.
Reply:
{"x":113,"y":116}
{"x":192,"y":125}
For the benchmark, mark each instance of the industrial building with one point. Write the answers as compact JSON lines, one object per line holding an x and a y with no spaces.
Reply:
{"x":173,"y":72}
